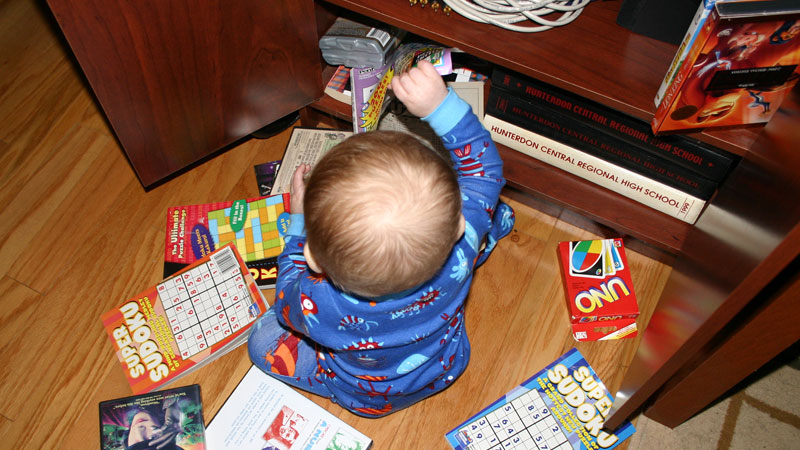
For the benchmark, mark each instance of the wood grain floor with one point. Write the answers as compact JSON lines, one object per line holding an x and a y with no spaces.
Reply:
{"x":78,"y":234}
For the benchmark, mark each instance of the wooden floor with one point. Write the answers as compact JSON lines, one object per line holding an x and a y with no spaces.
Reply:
{"x":78,"y":235}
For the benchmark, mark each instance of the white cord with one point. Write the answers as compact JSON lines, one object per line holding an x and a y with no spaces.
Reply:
{"x":507,"y":13}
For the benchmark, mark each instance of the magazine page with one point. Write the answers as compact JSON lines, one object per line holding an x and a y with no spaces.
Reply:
{"x":263,"y":413}
{"x":306,"y":146}
{"x":370,"y":85}
{"x":397,"y":117}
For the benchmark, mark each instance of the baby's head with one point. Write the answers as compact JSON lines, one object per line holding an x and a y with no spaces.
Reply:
{"x":382,"y":213}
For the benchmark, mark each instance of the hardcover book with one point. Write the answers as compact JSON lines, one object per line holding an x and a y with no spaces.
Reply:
{"x":599,"y":289}
{"x":685,"y":152}
{"x":185,"y":321}
{"x":560,"y":127}
{"x":561,"y":407}
{"x":171,"y":419}
{"x":255,"y":226}
{"x":632,"y":185}
{"x":739,"y":69}
{"x":264,"y":413}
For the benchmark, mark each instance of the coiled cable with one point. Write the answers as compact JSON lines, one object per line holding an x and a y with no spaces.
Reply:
{"x":508,"y":13}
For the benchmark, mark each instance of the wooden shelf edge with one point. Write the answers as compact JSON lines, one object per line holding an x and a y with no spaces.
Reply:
{"x":335,"y":108}
{"x":601,"y":205}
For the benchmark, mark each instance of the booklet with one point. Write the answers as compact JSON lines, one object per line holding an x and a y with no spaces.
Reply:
{"x":370,"y":85}
{"x":263,"y":413}
{"x":562,"y":407}
{"x":254,"y":225}
{"x":185,"y":321}
{"x":306,"y":146}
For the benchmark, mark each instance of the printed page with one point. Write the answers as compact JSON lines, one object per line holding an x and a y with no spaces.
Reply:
{"x":306,"y":146}
{"x":264,"y":413}
{"x":397,"y":117}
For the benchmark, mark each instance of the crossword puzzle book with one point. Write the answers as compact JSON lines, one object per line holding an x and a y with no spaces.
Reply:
{"x":185,"y":321}
{"x":562,"y":407}
{"x":255,"y":226}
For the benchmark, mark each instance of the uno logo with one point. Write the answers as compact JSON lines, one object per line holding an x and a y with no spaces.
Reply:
{"x":593,"y":298}
{"x":609,"y":318}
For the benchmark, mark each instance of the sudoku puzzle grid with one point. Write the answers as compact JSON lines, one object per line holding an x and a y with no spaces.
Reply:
{"x":524,"y":423}
{"x":206,"y":304}
{"x":259,"y":238}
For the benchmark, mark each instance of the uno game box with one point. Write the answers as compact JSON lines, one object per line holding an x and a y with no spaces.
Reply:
{"x":600,"y":297}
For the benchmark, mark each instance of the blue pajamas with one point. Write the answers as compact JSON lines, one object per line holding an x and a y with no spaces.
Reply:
{"x":374,"y":356}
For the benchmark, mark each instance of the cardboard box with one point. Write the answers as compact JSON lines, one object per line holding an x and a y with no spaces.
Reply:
{"x":741,"y":65}
{"x":600,"y":297}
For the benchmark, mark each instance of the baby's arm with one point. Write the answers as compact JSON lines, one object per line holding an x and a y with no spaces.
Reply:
{"x":292,"y":266}
{"x":474,"y":154}
{"x":421,"y":89}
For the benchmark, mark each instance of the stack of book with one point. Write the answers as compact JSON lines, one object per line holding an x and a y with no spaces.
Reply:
{"x":674,"y":174}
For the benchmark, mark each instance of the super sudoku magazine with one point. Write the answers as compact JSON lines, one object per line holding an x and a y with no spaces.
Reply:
{"x":562,"y":407}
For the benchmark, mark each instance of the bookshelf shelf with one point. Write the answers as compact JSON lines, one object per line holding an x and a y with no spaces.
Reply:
{"x":590,"y":68}
{"x":592,"y":56}
{"x":737,"y":255}
{"x":565,"y":190}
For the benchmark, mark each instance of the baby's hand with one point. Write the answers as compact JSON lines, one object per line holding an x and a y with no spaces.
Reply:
{"x":421,"y":89}
{"x":298,"y":189}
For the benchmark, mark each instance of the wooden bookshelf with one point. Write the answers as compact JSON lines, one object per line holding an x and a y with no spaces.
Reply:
{"x":730,"y":263}
{"x":616,"y":68}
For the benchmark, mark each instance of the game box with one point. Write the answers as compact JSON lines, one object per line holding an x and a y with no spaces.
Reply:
{"x":737,"y":71}
{"x":171,"y":419}
{"x":600,"y":296}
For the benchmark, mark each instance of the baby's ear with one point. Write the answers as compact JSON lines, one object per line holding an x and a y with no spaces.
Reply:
{"x":462,"y":225}
{"x":312,"y":264}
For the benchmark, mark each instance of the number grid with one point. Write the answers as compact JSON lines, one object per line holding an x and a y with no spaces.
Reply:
{"x":204,"y":306}
{"x":523,"y":424}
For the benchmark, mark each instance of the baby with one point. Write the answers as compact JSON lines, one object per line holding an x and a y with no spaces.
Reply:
{"x":379,"y":258}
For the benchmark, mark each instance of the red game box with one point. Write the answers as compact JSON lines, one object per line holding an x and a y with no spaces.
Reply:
{"x":600,"y":296}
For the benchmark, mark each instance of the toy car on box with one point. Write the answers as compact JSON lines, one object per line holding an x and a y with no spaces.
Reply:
{"x":600,"y":297}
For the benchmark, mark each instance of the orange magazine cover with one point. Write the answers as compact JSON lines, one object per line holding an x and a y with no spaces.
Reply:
{"x":185,"y":321}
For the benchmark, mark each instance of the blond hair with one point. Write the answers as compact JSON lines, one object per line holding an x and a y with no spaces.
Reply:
{"x":382,"y":213}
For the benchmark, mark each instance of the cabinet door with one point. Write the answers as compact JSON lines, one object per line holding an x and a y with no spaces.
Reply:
{"x":180,"y":79}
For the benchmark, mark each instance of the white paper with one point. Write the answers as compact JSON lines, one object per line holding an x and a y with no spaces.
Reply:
{"x":306,"y":146}
{"x":263,"y":413}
